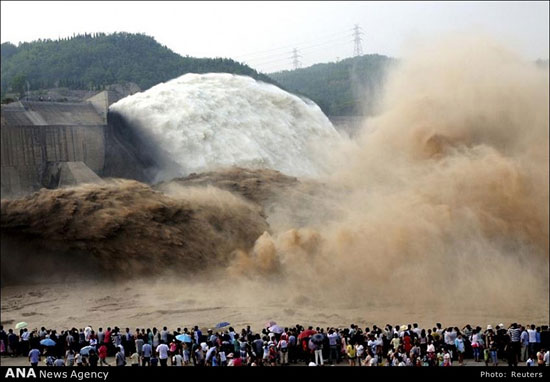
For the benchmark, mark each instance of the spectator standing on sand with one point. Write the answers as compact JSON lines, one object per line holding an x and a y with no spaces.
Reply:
{"x":156,"y":338}
{"x":93,"y":340}
{"x":333,"y":346}
{"x":514,"y":333}
{"x":258,"y":349}
{"x":493,"y":350}
{"x":25,"y":348}
{"x":100,"y":336}
{"x":395,"y":342}
{"x":173,"y":347}
{"x":532,"y":339}
{"x":177,"y":360}
{"x":146,"y":354}
{"x":449,"y":338}
{"x":139,"y":345}
{"x":34,"y":357}
{"x":350,"y":351}
{"x":107,"y":341}
{"x":476,"y":342}
{"x":460,"y":349}
{"x":282,"y":346}
{"x":162,"y":351}
{"x":120,"y":358}
{"x":93,"y":358}
{"x":199,"y":356}
{"x":164,"y":335}
{"x":70,"y":357}
{"x":102,"y":353}
{"x":524,"y":340}
{"x":3,"y":340}
{"x":134,"y":359}
{"x":13,"y":343}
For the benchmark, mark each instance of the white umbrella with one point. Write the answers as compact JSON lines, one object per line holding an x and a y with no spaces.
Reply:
{"x":21,"y":325}
{"x":276,"y":329}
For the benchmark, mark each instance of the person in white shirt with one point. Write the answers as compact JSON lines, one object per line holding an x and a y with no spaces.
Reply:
{"x":135,"y":359}
{"x":532,"y":340}
{"x":283,"y":351}
{"x":210,"y":354}
{"x":360,"y":350}
{"x":164,"y":335}
{"x":177,"y":360}
{"x":524,"y":340}
{"x":223,"y":358}
{"x":162,"y":351}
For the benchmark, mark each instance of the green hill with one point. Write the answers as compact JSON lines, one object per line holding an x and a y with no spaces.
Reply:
{"x":349,"y":87}
{"x":91,"y":61}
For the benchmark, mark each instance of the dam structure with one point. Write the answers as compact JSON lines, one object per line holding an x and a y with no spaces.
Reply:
{"x":53,"y":144}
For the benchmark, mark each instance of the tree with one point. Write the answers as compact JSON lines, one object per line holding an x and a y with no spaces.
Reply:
{"x":18,"y":84}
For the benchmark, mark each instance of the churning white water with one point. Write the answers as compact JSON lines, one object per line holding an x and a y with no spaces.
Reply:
{"x":203,"y":121}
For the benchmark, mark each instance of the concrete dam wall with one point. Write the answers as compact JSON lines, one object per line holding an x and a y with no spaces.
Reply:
{"x":37,"y":135}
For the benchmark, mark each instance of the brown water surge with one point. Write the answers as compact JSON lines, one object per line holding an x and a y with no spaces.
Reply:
{"x":441,"y":207}
{"x":443,"y":202}
{"x":126,"y":229}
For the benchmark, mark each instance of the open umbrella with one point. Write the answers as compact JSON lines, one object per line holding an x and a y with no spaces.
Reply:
{"x":21,"y":325}
{"x":306,"y":333}
{"x":276,"y":329}
{"x":222,"y":324}
{"x":86,"y":350}
{"x":270,"y":323}
{"x":184,"y":338}
{"x":47,"y":342}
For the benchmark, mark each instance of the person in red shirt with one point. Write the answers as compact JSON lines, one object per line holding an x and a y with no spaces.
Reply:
{"x":407,"y":343}
{"x":107,"y":339}
{"x":102,"y":353}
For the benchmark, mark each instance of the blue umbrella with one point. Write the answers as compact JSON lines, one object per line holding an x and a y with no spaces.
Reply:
{"x":184,"y":338}
{"x":47,"y":342}
{"x":222,"y":324}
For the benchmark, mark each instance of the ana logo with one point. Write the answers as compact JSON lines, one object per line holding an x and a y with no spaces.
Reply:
{"x":20,"y":372}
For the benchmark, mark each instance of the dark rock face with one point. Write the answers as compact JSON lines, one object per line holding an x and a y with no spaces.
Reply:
{"x":128,"y":154}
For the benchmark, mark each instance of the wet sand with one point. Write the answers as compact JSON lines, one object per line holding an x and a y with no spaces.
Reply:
{"x":182,"y":304}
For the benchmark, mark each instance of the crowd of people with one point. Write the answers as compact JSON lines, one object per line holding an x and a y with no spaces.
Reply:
{"x":405,"y":345}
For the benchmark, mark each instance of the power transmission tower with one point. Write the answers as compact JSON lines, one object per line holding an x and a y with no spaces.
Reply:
{"x":296,"y":59}
{"x":357,"y":40}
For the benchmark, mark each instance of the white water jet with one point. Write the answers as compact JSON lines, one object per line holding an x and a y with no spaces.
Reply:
{"x":204,"y":121}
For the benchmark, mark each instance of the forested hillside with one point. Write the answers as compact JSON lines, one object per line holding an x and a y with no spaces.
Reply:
{"x":91,"y":61}
{"x":349,"y":87}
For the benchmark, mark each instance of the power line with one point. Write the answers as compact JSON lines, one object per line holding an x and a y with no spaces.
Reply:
{"x":285,"y":47}
{"x":266,"y":58}
{"x":279,"y":57}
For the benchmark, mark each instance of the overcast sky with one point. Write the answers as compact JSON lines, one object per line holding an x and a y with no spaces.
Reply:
{"x":263,"y":34}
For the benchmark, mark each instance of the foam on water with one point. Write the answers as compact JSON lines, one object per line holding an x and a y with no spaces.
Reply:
{"x":204,"y":121}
